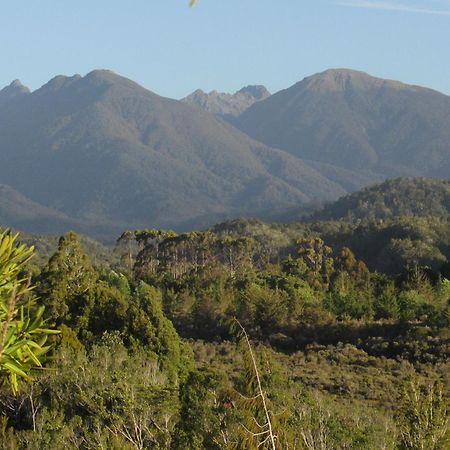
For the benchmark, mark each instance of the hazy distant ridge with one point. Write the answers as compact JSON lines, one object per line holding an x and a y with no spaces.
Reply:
{"x":349,"y":119}
{"x":227,"y":104}
{"x":100,"y":152}
{"x":101,"y":148}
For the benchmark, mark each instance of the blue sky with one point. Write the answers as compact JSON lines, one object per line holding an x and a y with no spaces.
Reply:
{"x":225,"y":44}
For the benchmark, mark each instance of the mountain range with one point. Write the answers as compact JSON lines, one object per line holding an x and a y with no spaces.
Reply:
{"x":100,"y":153}
{"x":104,"y":151}
{"x":227,"y":105}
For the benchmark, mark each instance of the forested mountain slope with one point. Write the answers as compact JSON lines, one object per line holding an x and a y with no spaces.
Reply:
{"x":371,"y":126}
{"x":105,"y":154}
{"x":100,"y":148}
{"x":18,"y":211}
{"x":21,"y":212}
{"x":418,"y":197}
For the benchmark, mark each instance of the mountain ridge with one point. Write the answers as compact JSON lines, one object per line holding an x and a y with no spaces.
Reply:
{"x":102,"y":148}
{"x":14,"y":90}
{"x":357,"y":122}
{"x":399,"y":197}
{"x":103,"y":151}
{"x":227,"y":105}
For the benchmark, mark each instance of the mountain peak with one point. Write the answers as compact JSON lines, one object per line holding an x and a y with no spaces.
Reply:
{"x":103,"y":74}
{"x":97,"y":76}
{"x":350,"y":119}
{"x":342,"y":79}
{"x":17,"y":84}
{"x":199,"y":92}
{"x":106,"y":77}
{"x":227,"y":104}
{"x":60,"y":82}
{"x":258,"y":91}
{"x":14,"y":90}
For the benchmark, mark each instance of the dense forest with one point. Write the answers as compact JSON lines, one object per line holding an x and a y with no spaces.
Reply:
{"x":417,"y":197}
{"x":314,"y":335}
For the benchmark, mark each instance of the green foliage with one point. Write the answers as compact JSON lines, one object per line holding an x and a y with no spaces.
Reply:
{"x":332,"y":344}
{"x":108,"y":310}
{"x":23,"y":331}
{"x":424,"y":418}
{"x":317,"y":257}
{"x":154,"y":331}
{"x":92,"y":306}
{"x":325,"y":425}
{"x":416,"y":197}
{"x":66,"y":280}
{"x":386,"y":303}
{"x":105,"y":398}
{"x":198,"y":426}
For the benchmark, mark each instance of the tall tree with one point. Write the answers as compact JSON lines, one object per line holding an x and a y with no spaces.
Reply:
{"x":151,"y":328}
{"x":66,"y":281}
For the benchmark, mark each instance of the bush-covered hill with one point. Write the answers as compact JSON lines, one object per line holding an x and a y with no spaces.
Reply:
{"x":419,"y":197}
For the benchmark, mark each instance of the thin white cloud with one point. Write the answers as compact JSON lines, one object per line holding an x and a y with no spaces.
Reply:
{"x":392,"y":6}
